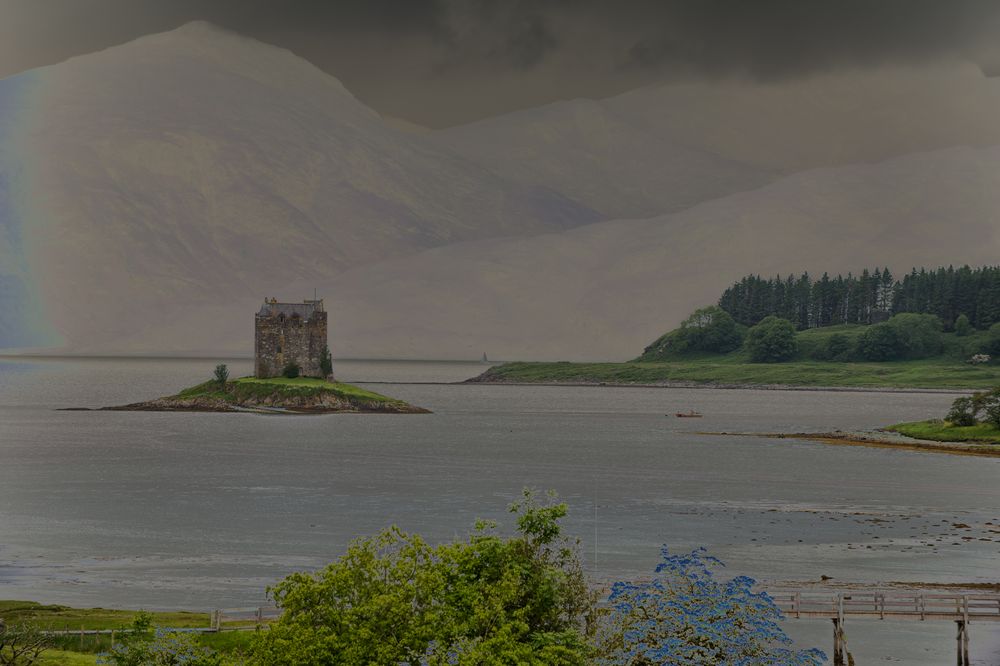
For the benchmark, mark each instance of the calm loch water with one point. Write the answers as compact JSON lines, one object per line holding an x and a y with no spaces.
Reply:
{"x":206,"y":510}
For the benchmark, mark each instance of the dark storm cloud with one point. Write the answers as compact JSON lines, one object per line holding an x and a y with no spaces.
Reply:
{"x":777,"y":38}
{"x":445,"y":61}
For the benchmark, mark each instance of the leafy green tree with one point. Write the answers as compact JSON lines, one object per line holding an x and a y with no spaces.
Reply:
{"x":992,"y":344}
{"x":989,"y":403}
{"x":291,"y":370}
{"x":326,"y":362}
{"x":963,"y":412}
{"x":963,"y":326}
{"x":710,"y":329}
{"x":879,"y":343}
{"x":917,"y":335}
{"x":393,"y":599}
{"x":22,"y":644}
{"x":221,"y":374}
{"x":837,"y":347}
{"x":772,"y":340}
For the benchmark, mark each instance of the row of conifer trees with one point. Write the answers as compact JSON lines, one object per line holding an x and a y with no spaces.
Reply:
{"x":868,"y":298}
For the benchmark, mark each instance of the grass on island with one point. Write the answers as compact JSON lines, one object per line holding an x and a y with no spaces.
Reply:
{"x":949,"y":370}
{"x":247,"y":387}
{"x":942,"y":431}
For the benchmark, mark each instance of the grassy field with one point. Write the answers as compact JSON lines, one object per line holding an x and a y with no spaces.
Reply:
{"x":63,"y":617}
{"x":731,"y":370}
{"x":942,"y":431}
{"x":949,"y":370}
{"x":74,"y":651}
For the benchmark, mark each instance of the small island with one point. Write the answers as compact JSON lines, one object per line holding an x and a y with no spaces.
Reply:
{"x":275,"y":395}
{"x":293,"y":373}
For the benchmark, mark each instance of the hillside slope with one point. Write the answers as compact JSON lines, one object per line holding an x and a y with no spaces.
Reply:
{"x":662,"y":148}
{"x":198,"y":166}
{"x":605,"y":290}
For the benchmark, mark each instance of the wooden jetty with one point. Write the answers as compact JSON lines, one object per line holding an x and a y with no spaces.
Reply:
{"x":878,"y":604}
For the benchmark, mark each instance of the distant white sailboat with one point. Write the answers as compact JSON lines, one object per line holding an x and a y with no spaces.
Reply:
{"x":485,"y":360}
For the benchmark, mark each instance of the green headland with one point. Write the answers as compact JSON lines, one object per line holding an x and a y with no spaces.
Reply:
{"x":943,"y":431}
{"x":931,"y":330}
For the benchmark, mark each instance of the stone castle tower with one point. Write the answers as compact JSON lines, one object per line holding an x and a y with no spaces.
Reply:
{"x":289,"y":332}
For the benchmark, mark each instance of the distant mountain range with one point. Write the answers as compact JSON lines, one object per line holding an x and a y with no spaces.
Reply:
{"x":151,"y":194}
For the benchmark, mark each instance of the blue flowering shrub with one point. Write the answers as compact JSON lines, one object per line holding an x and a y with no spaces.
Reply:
{"x":685,"y":616}
{"x":144,"y":645}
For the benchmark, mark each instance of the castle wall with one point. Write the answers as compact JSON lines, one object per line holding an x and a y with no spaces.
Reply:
{"x":279,"y":341}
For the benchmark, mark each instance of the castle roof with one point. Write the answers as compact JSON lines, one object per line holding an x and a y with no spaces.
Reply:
{"x":305,"y":310}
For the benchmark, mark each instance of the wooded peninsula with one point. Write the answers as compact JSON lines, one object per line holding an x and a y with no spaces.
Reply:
{"x":933,"y":329}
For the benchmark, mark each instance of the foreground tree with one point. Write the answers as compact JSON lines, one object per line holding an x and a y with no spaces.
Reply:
{"x":221,"y":374}
{"x":393,"y":599}
{"x":685,"y":617}
{"x":22,"y":644}
{"x":772,"y":340}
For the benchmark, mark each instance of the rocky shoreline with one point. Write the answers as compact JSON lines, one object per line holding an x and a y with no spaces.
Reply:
{"x":880,"y":439}
{"x":312,"y":406}
{"x":278,"y":397}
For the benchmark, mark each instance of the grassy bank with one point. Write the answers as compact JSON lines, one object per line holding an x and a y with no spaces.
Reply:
{"x":73,"y":650}
{"x":731,"y":370}
{"x":54,"y":617}
{"x":949,"y":370}
{"x":942,"y":431}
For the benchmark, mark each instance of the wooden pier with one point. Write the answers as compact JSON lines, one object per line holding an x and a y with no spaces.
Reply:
{"x":877,"y":604}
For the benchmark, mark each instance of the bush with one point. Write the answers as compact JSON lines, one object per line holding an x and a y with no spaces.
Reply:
{"x":879,"y":343}
{"x":992,"y":344}
{"x":685,"y":616}
{"x":963,"y":326}
{"x":393,"y":599}
{"x":992,"y":413}
{"x":772,"y":340}
{"x":291,"y":370}
{"x":221,"y":374}
{"x":904,"y":336}
{"x":963,"y":412}
{"x":326,"y":362}
{"x":710,"y":329}
{"x":918,"y":335}
{"x":164,"y":648}
{"x":837,"y":347}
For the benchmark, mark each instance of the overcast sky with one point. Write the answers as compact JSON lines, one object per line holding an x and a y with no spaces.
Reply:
{"x":443,"y":62}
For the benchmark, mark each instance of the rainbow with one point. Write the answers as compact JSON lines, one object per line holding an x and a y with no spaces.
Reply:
{"x":22,"y":317}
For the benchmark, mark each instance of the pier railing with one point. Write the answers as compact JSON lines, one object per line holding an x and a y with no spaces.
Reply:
{"x":889,"y":605}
